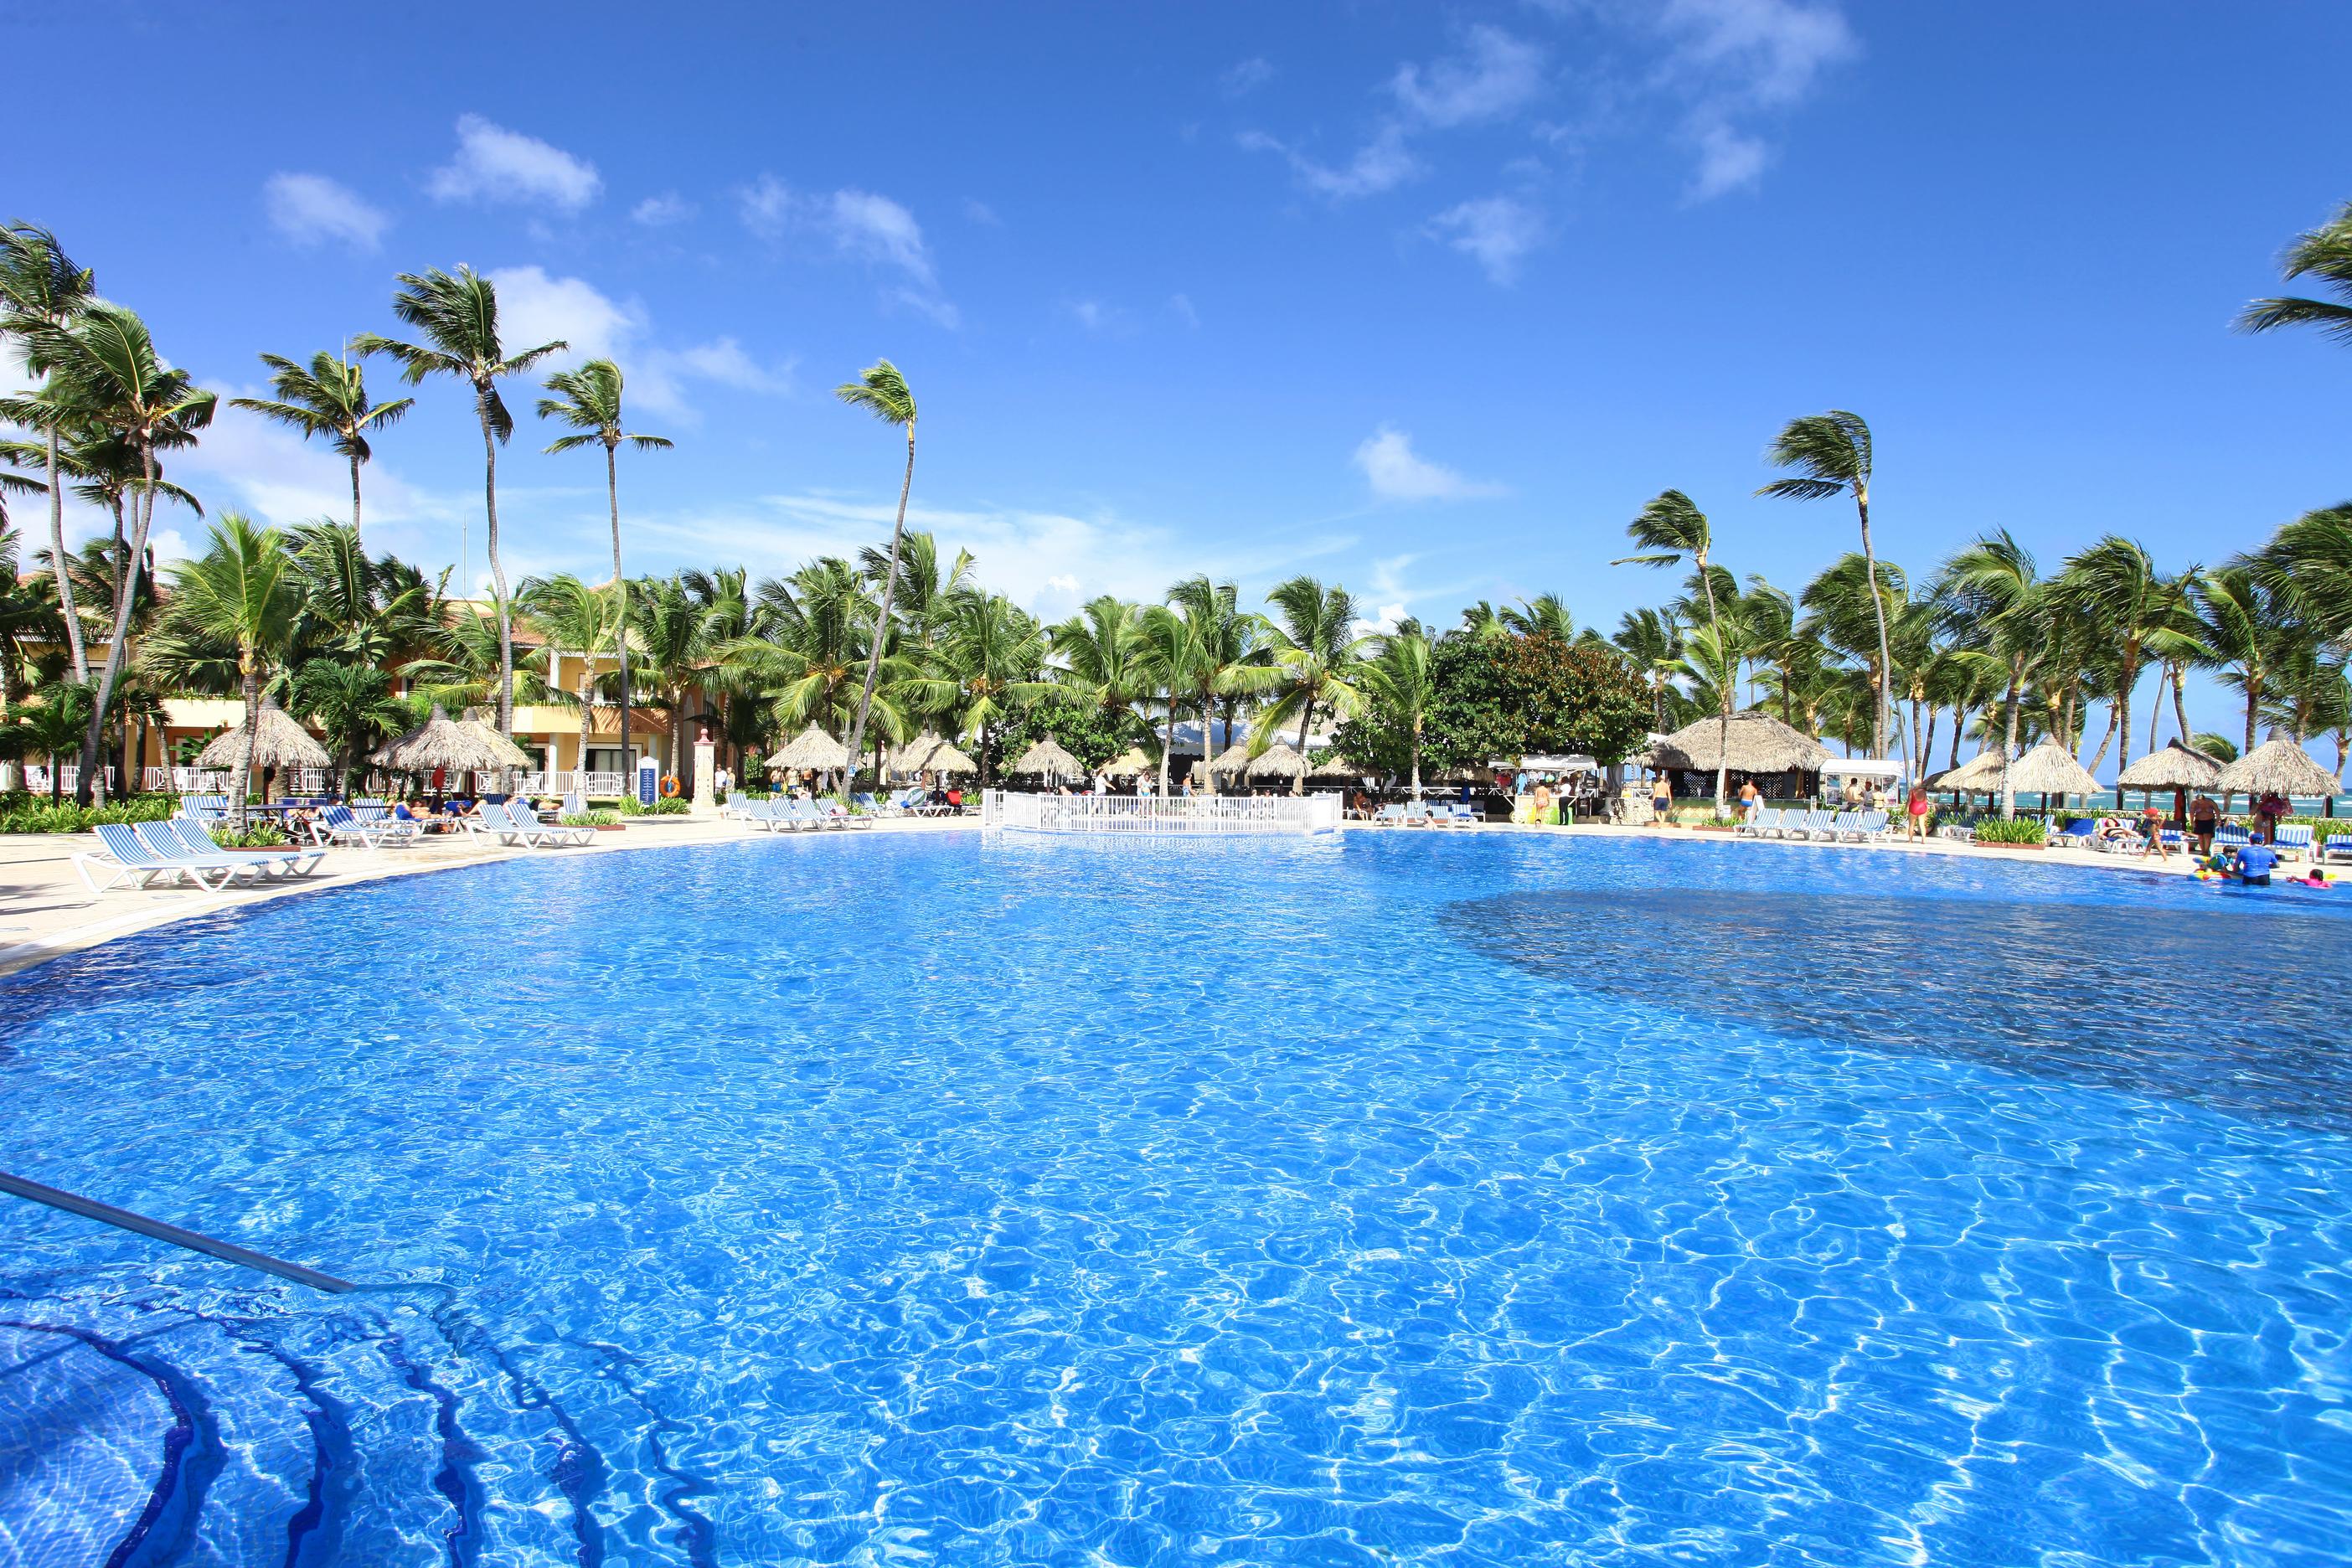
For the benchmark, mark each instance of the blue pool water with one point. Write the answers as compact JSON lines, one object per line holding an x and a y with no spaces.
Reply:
{"x":1409,"y":1198}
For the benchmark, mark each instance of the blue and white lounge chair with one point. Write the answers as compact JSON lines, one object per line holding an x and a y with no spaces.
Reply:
{"x":537,"y":829}
{"x":340,"y":824}
{"x":2293,"y":841}
{"x":834,"y":816}
{"x":1759,"y":826}
{"x":2231,"y":834}
{"x":2337,"y":846}
{"x":209,"y":809}
{"x":2079,"y":832}
{"x":289,"y":861}
{"x":1816,"y":825}
{"x":129,"y":859}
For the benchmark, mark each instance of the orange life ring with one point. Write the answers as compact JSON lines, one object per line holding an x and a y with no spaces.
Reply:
{"x":670,"y":787}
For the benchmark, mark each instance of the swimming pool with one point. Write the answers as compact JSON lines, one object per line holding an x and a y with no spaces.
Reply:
{"x":1402,"y":1198}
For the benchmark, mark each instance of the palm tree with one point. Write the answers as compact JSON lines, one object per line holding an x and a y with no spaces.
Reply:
{"x":1483,"y":620}
{"x":2114,"y":589}
{"x":241,"y":594}
{"x":327,"y":397}
{"x":42,"y":293}
{"x":458,"y":319}
{"x":1397,"y":678}
{"x":667,"y":627}
{"x":1224,"y":649}
{"x":1831,"y":453}
{"x":990,"y":654}
{"x":50,"y":726}
{"x":927,"y":597}
{"x":881,"y":391}
{"x":570,"y":613}
{"x":1546,"y":614}
{"x":2309,"y":562}
{"x":589,"y":401}
{"x":1668,"y":529}
{"x":1994,"y":600}
{"x":2243,"y":627}
{"x":1653,"y":641}
{"x":351,"y":704}
{"x":106,"y":363}
{"x":1316,"y":652}
{"x":2325,"y":253}
{"x":1104,"y":660}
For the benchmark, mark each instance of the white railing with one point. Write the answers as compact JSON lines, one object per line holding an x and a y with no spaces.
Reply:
{"x":214,"y":781}
{"x":564,"y":781}
{"x":1156,"y":815}
{"x":36,"y":779}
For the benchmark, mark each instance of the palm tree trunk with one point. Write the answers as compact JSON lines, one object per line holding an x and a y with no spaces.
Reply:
{"x":12,"y":778}
{"x":882,"y":621}
{"x":80,"y":657}
{"x":1723,"y":726}
{"x":2129,"y":679}
{"x":2180,"y":704}
{"x":2009,"y":748}
{"x":620,"y":587}
{"x":2253,"y":705}
{"x":1878,"y":614}
{"x":1306,"y":721}
{"x":144,"y":509}
{"x":1417,"y":756}
{"x":498,"y":569}
{"x":249,"y":688}
{"x":587,"y":711}
{"x":355,"y":508}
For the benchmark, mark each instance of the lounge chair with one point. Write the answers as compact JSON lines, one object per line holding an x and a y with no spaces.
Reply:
{"x":1872,"y":826}
{"x":2337,"y":846}
{"x":291,"y":861}
{"x":208,"y":809}
{"x":338,"y":825}
{"x":129,"y":859}
{"x":537,"y":829}
{"x":1390,"y":816}
{"x":1416,"y":814}
{"x":1762,"y":825}
{"x":2293,"y":841}
{"x":736,"y":801}
{"x":1816,"y":825}
{"x":2231,"y":834}
{"x":834,"y":814}
{"x":2079,"y":832}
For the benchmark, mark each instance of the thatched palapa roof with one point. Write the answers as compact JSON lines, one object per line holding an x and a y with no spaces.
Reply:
{"x":1131,"y":763}
{"x":2051,"y":769}
{"x":1759,"y":743}
{"x":1981,"y":772}
{"x":2280,"y":765}
{"x":2174,"y":767}
{"x":278,"y":743}
{"x":812,"y":748}
{"x":1048,"y":760}
{"x":927,"y":754}
{"x":1279,"y":760}
{"x":442,"y":741}
{"x":482,"y":729}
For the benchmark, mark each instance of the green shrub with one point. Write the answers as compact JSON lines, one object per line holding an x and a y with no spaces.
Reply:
{"x":257,"y":836}
{"x":2023,"y":830}
{"x":666,"y":806}
{"x":34,"y":813}
{"x":590,"y":818}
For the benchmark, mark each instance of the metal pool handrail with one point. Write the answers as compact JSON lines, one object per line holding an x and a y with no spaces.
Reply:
{"x":195,"y":1241}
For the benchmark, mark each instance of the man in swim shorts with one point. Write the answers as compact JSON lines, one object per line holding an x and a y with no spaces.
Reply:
{"x":2255,"y":862}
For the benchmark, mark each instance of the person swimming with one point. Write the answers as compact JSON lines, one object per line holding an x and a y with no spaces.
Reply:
{"x":2256,"y":860}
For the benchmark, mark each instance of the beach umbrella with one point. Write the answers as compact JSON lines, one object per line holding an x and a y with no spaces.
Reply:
{"x":2280,"y":766}
{"x":1131,"y":763}
{"x":2051,"y":769}
{"x":812,"y":748}
{"x":1280,"y":760}
{"x":1756,"y":743}
{"x":447,"y":744}
{"x":945,"y":758}
{"x":2178,"y":768}
{"x":1235,"y":759}
{"x":509,"y":754}
{"x":909,"y":758}
{"x":1046,"y":759}
{"x":278,"y":743}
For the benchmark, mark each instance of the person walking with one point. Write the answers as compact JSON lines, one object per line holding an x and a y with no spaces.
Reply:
{"x":2151,"y":826}
{"x":1661,"y":799}
{"x":1915,"y":813}
{"x":1751,"y":800}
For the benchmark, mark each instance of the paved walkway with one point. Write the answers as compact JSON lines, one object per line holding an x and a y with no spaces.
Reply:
{"x":46,"y":908}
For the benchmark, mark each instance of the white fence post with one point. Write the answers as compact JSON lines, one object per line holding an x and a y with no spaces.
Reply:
{"x":1156,"y":816}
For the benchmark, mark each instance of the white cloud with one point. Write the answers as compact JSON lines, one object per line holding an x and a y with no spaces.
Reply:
{"x":1098,"y":319}
{"x":1049,"y":562}
{"x":1381,"y":164}
{"x":661,"y":211}
{"x":535,"y":308}
{"x":496,"y":164}
{"x":1495,"y":75}
{"x":1495,"y":231}
{"x":1180,"y":307}
{"x":308,"y":208}
{"x":723,"y":361}
{"x":980,"y":213}
{"x":857,"y":225}
{"x":1245,"y":76}
{"x":1396,"y":472}
{"x":1727,"y":161}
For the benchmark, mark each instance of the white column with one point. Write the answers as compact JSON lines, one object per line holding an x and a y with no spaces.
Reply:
{"x":704,"y":753}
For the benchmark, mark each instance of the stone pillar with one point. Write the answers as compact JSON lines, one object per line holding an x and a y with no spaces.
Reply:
{"x":703,"y":767}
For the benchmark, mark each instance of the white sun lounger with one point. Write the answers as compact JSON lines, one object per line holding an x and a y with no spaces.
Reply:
{"x":128,"y":858}
{"x":291,"y":861}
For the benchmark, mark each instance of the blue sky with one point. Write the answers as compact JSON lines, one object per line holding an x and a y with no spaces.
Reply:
{"x":1424,"y":299}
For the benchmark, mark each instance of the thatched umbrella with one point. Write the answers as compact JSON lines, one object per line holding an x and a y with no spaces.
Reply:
{"x":1233,"y":758}
{"x":2051,"y":769}
{"x":2280,"y":766}
{"x":1758,"y":743}
{"x":448,"y":744}
{"x":946,"y":758}
{"x":278,"y":743}
{"x":909,"y":758}
{"x":482,"y":729}
{"x":1048,"y":760}
{"x":812,"y":748}
{"x":1981,"y":772}
{"x":1280,"y":760}
{"x":1129,"y":763}
{"x":2178,"y":768}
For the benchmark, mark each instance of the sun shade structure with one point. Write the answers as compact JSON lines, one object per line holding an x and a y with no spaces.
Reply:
{"x":2051,"y":769}
{"x":1131,"y":763}
{"x":445,"y":742}
{"x":482,"y":729}
{"x":2281,"y":767}
{"x":1280,"y":761}
{"x":2174,"y":767}
{"x":909,"y":758}
{"x":1759,"y":743}
{"x":1233,"y":758}
{"x":812,"y":748}
{"x":1981,"y":772}
{"x":278,"y":743}
{"x":945,"y":758}
{"x":1046,"y":759}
